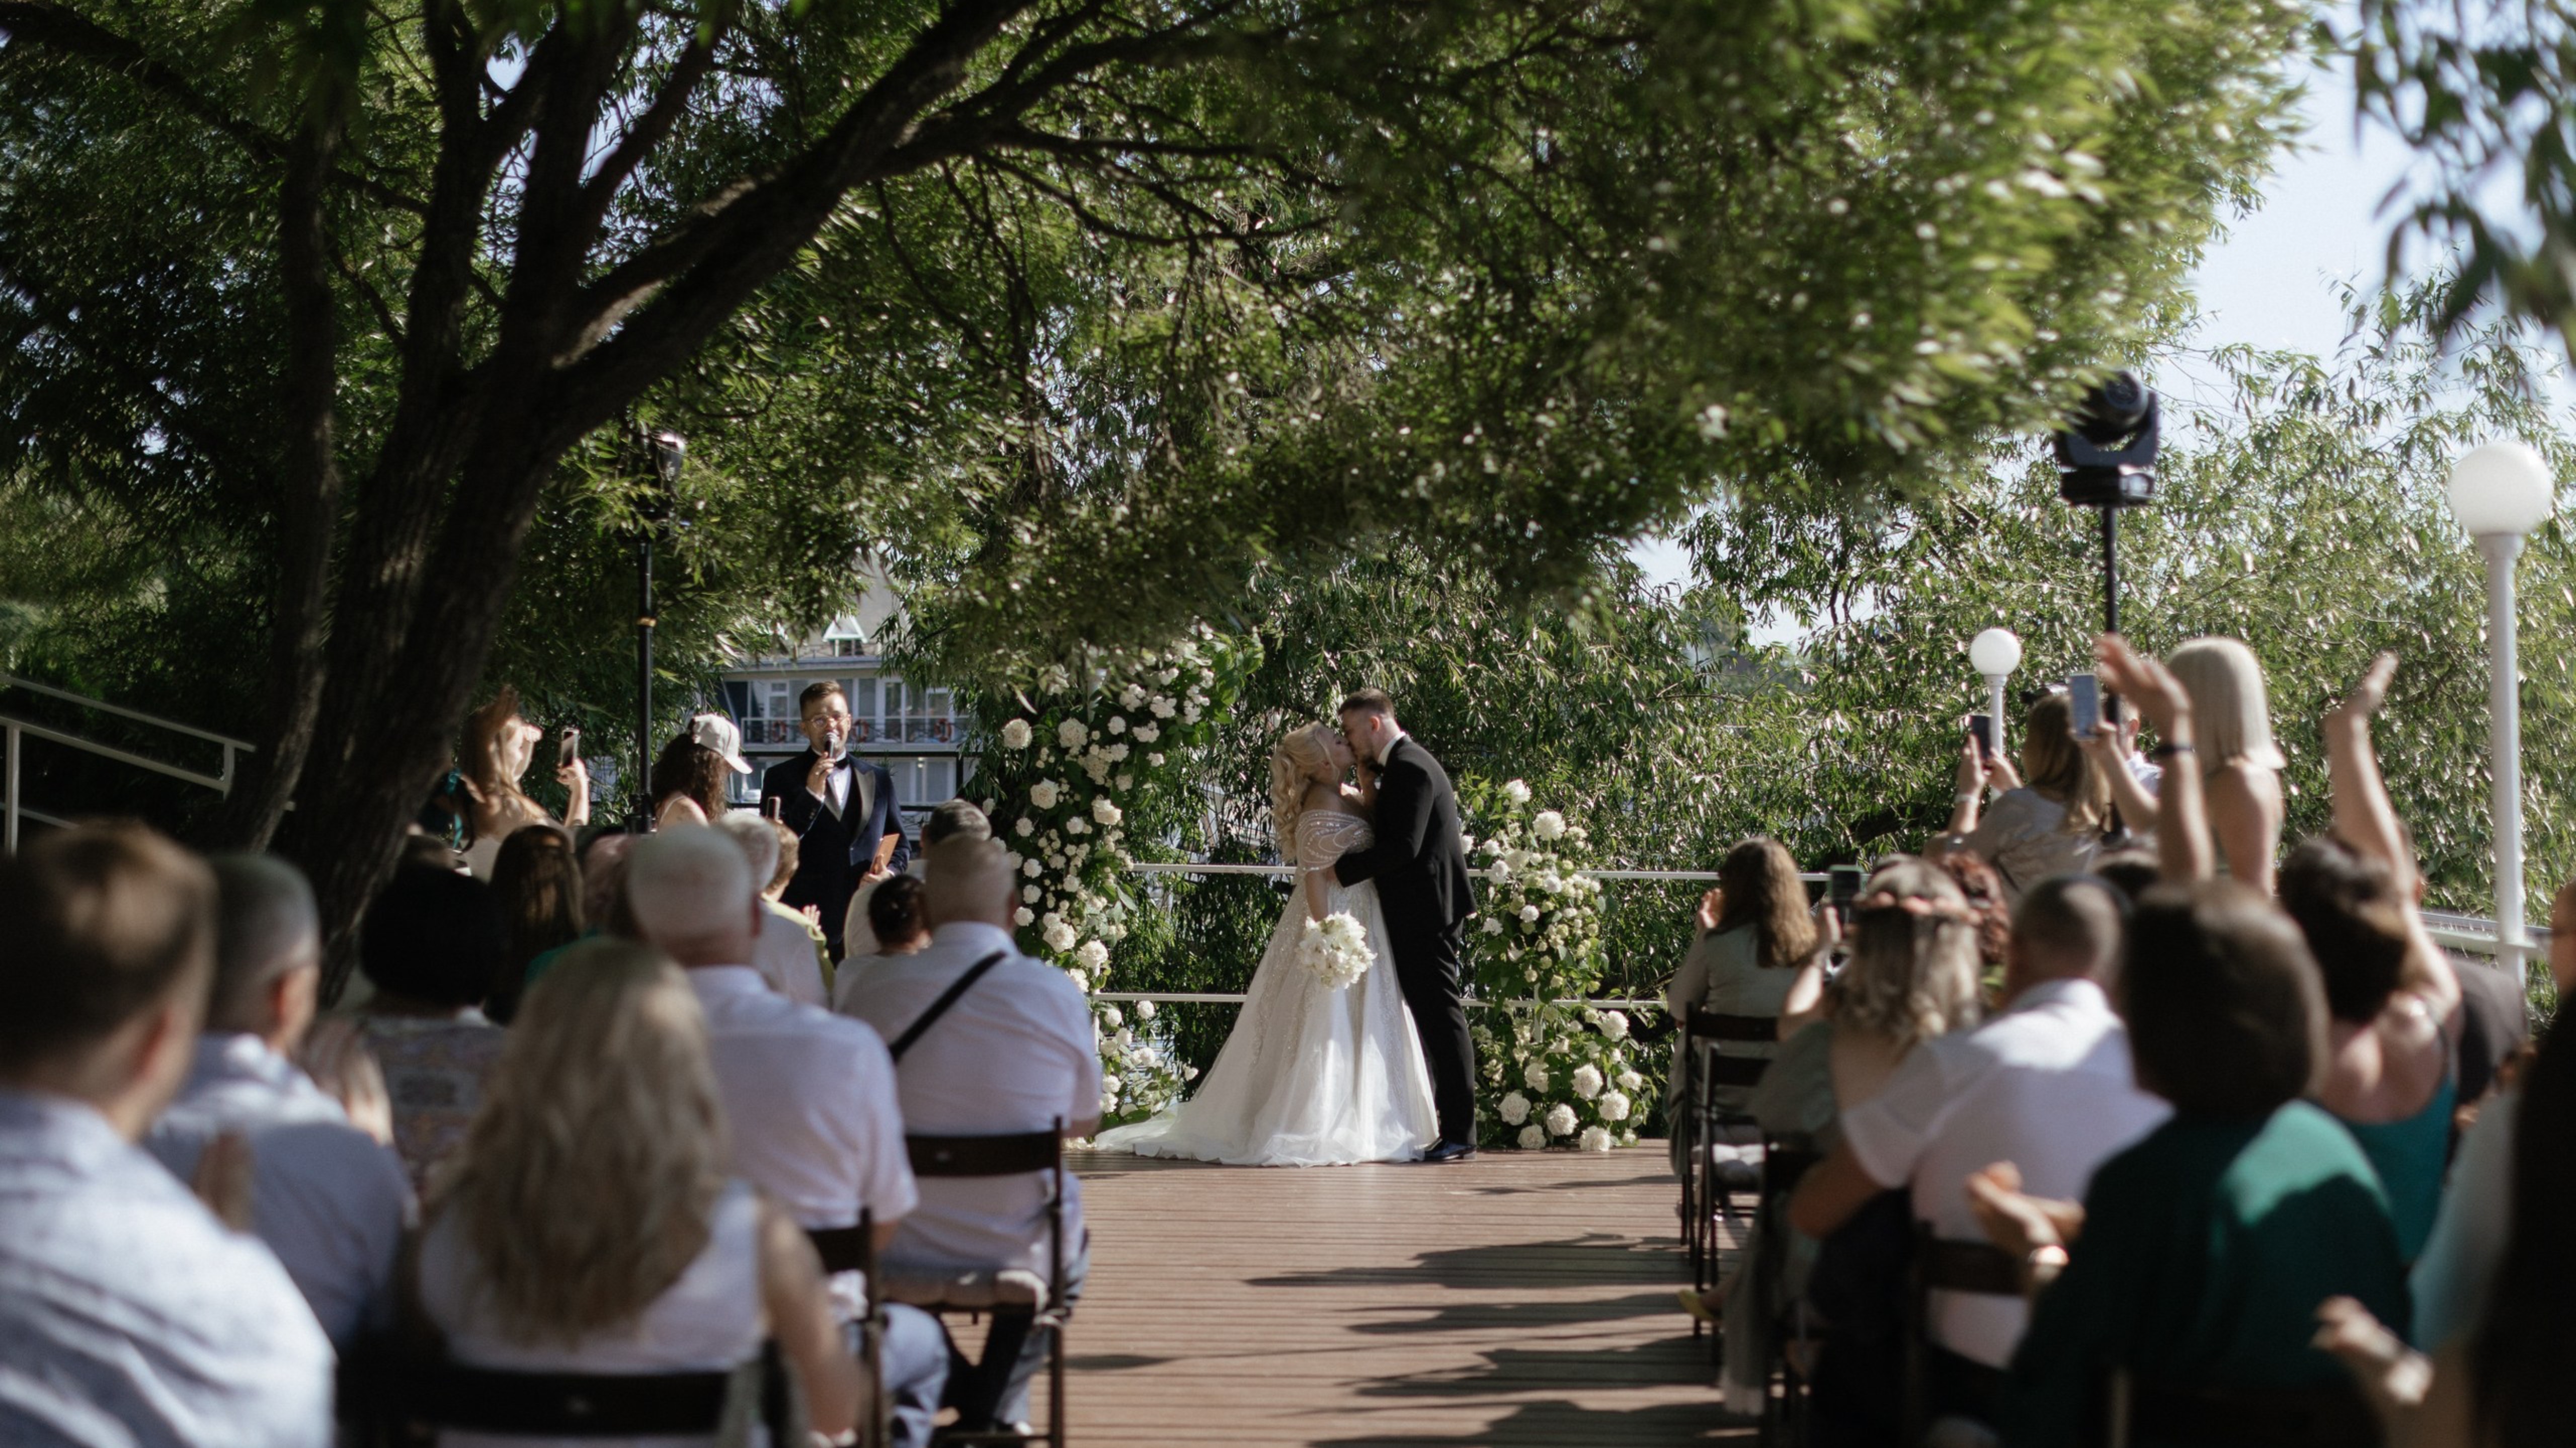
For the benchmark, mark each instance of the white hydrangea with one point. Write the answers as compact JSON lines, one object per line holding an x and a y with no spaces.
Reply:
{"x":1529,"y":915}
{"x":1547,"y":824}
{"x":1060,"y":937}
{"x":1518,"y":792}
{"x":1147,"y":734}
{"x":1105,"y":812}
{"x":1092,"y":956}
{"x":1025,"y":828}
{"x":1594,"y":1139}
{"x":1155,"y":760}
{"x":1614,"y":1024}
{"x":1016,"y":734}
{"x":1615,"y":1106}
{"x":1493,"y":925}
{"x":1077,"y":826}
{"x":1117,"y":724}
{"x":1560,"y":1120}
{"x":1111,"y":1017}
{"x":1032,"y":868}
{"x":1132,"y":697}
{"x":1145,"y":1010}
{"x":1515,"y":1109}
{"x":1630,"y":1081}
{"x":1109,"y":1084}
{"x":1165,"y":708}
{"x":1533,"y":1137}
{"x":1127,"y":781}
{"x":1535,"y":1076}
{"x":1587,"y":1082}
{"x":1070,"y":734}
{"x":1024,"y":917}
{"x":1029,"y":894}
{"x":1045,"y":793}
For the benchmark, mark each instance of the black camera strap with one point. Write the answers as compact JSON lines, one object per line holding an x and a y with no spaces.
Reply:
{"x":947,"y":998}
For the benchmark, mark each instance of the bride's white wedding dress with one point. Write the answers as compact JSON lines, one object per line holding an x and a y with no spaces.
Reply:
{"x":1311,"y":1076}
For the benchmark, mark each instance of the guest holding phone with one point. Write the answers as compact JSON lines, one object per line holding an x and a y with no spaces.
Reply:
{"x":2050,"y":826}
{"x":842,"y":810}
{"x":499,"y":748}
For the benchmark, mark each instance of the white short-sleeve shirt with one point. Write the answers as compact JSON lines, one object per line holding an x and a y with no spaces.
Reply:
{"x":1018,"y":1052}
{"x":2046,"y":1086}
{"x":810,"y":1106}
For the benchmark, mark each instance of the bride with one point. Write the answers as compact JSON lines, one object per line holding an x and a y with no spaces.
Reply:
{"x":1314,"y":1074}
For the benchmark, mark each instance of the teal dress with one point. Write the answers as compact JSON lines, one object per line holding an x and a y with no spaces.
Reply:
{"x":2412,"y":1157}
{"x":2206,"y":1249}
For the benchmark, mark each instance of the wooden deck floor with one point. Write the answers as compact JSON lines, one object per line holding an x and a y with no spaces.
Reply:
{"x":1521,"y":1299}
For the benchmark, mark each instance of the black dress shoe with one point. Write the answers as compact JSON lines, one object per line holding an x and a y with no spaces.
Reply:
{"x":1449,"y":1151}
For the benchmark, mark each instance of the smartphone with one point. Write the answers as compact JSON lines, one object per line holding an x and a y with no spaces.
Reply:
{"x":2084,"y":701}
{"x":568,"y":748}
{"x":1981,"y":728}
{"x":769,"y":807}
{"x":1842,"y":886}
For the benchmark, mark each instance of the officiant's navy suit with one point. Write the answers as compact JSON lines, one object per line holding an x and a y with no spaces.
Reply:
{"x":833,"y":853}
{"x":1420,"y":865}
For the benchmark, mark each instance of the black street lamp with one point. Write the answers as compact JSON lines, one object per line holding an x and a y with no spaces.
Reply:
{"x":660,"y":500}
{"x":2106,"y":459}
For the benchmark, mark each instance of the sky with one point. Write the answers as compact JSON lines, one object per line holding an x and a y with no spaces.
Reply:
{"x":2270,"y":281}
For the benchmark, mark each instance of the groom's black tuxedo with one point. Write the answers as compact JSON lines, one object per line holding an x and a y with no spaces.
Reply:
{"x":1420,"y":866}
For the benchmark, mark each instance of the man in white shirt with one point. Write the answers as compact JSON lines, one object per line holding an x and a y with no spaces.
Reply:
{"x":1017,"y":1052}
{"x":128,"y":1314}
{"x":810,"y":1105}
{"x":328,"y":1198}
{"x":784,"y":952}
{"x":2046,"y":1085}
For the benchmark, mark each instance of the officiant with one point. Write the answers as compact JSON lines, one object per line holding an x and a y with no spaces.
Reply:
{"x":842,"y":809}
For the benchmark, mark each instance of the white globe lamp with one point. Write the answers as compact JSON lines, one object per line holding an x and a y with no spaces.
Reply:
{"x":1995,"y":653}
{"x":2499,"y":492}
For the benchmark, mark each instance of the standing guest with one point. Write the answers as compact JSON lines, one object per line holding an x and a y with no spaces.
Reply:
{"x":848,"y":829}
{"x":129,"y":1314}
{"x":2199,"y":1255}
{"x":2239,"y":765}
{"x":2046,"y":1085}
{"x":810,"y":1095}
{"x":432,"y":946}
{"x":1754,"y":933}
{"x":499,"y":747}
{"x":537,"y":882}
{"x":784,"y":953}
{"x":329,"y":1199}
{"x":2393,"y":1005}
{"x":591,"y":1225}
{"x":2050,"y":826}
{"x":694,"y":775}
{"x":1016,"y":1052}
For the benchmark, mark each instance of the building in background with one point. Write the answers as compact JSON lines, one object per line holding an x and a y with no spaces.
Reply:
{"x":912,"y":729}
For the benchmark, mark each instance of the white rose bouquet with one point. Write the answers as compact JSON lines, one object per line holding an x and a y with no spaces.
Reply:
{"x":1336,"y":949}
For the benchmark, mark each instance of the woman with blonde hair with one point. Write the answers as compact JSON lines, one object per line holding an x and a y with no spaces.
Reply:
{"x":588,"y":1225}
{"x":1319,"y":1071}
{"x":499,"y":747}
{"x":2050,"y":825}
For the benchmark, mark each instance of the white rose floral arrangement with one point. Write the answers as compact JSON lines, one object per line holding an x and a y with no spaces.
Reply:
{"x":1078,"y":757}
{"x":1335,"y":949}
{"x":1550,"y":1074}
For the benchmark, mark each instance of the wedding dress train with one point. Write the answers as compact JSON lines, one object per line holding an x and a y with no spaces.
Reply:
{"x":1312,"y":1075}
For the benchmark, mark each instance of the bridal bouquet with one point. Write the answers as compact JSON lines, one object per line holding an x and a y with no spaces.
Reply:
{"x":1336,"y":949}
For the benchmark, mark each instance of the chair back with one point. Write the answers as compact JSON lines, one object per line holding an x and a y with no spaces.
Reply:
{"x":2323,"y":1415}
{"x":388,"y":1398}
{"x":1702,"y":1029}
{"x":847,"y":1249}
{"x":1943,"y":1264}
{"x":1016,"y":1154}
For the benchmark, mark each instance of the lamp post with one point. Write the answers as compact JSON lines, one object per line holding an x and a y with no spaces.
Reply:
{"x":1995,"y":653}
{"x":2500,"y":492}
{"x":660,"y":500}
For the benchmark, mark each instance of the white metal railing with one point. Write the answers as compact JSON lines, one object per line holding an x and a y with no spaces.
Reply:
{"x":14,"y":731}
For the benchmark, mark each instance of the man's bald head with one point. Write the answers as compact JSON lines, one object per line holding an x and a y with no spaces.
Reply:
{"x":2067,"y":927}
{"x":691,"y":893}
{"x":967,"y":879}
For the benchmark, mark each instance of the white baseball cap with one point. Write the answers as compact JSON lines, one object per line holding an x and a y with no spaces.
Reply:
{"x":716,"y":732}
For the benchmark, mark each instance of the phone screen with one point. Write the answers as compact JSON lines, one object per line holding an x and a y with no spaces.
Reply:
{"x":1842,"y":885}
{"x":2084,"y":701}
{"x":568,"y":748}
{"x":1981,"y":728}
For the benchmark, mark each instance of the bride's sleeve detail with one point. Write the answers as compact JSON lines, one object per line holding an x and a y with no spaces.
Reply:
{"x":1324,"y":836}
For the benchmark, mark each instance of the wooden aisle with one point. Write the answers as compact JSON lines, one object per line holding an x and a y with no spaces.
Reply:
{"x":1521,"y":1299}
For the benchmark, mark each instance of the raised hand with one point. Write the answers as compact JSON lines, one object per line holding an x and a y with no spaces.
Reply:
{"x":1712,"y":909}
{"x":2142,"y":681}
{"x":2368,"y":695}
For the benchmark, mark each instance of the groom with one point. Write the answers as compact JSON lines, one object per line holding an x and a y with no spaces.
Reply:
{"x":1421,"y":873}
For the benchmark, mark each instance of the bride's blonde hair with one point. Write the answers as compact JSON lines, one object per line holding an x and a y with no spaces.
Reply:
{"x":1292,"y":767}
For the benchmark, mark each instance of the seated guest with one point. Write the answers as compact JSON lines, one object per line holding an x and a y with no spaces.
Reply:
{"x":785,"y":952}
{"x":810,"y":1096}
{"x":2046,"y":1085}
{"x":2050,"y":826}
{"x":1988,"y":901}
{"x":1016,"y":1052}
{"x":896,"y":925}
{"x":602,"y":863}
{"x":329,"y":1200}
{"x":1912,"y":978}
{"x":536,"y":879}
{"x":431,"y":945}
{"x":590,"y":1225}
{"x":2131,"y":871}
{"x":2199,"y":1254}
{"x":2393,"y":1003}
{"x":128,"y":1314}
{"x":1754,"y":933}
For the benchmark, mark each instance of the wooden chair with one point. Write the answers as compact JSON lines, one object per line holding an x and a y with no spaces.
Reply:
{"x":2327,"y":1415}
{"x":854,"y":1249}
{"x":387,"y":1398}
{"x":1704,"y":1067}
{"x":1943,"y":1265}
{"x":1784,"y":1163}
{"x":999,"y":1290}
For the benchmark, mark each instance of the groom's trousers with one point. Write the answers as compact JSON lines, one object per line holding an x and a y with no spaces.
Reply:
{"x":1428,"y":962}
